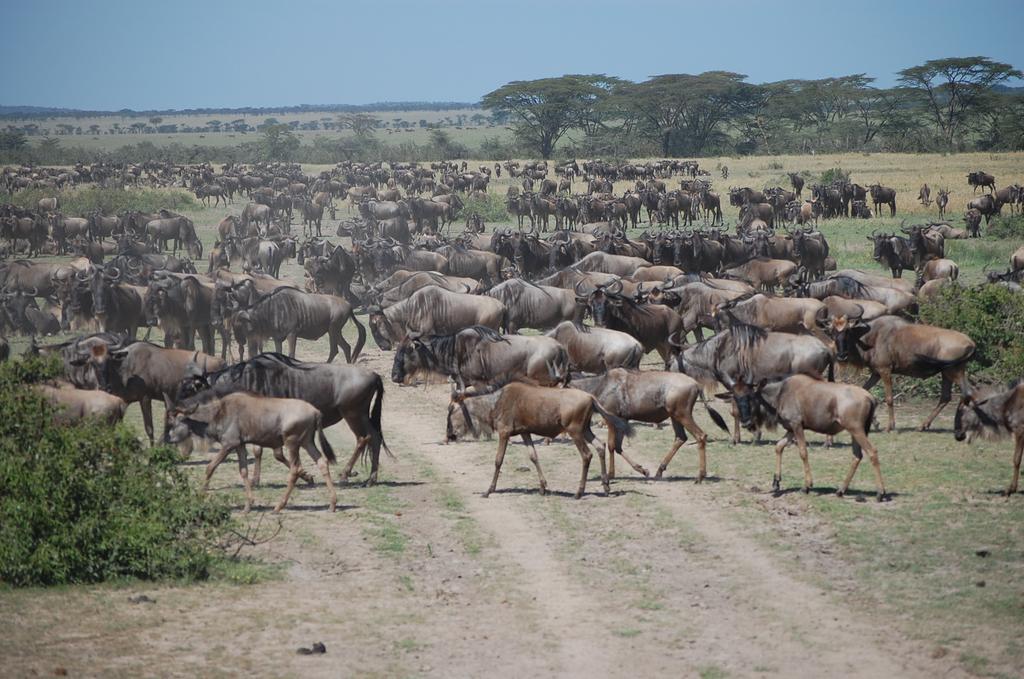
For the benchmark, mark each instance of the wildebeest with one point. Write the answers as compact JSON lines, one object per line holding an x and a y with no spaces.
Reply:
{"x":133,"y":371}
{"x":890,"y":346}
{"x":478,"y":355}
{"x":650,"y":324}
{"x":434,"y":311}
{"x":763,"y":273}
{"x":797,"y":183}
{"x":523,"y":410}
{"x":533,"y":306}
{"x":894,"y":252}
{"x":238,"y":419}
{"x":293,"y":314}
{"x":995,"y":413}
{"x":942,"y":200}
{"x":652,"y":396}
{"x":802,"y":403}
{"x":972,"y":221}
{"x":981,"y":179}
{"x":347,"y":392}
{"x":881,"y":195}
{"x":925,"y":195}
{"x":748,"y":351}
{"x":72,"y":404}
{"x":597,"y":350}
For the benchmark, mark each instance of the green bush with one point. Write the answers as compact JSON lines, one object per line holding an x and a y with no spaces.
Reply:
{"x":993,"y":317}
{"x":89,"y":503}
{"x":491,"y":208}
{"x":835,"y":174}
{"x":1006,"y":227}
{"x":82,"y":201}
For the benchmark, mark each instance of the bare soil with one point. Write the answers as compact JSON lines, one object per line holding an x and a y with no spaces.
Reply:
{"x":422,"y":576}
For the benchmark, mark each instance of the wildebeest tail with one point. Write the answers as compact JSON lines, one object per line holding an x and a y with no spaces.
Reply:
{"x":715,"y":417}
{"x":375,"y":417}
{"x":940,"y":364}
{"x":623,"y":428}
{"x":325,"y":445}
{"x":360,"y":340}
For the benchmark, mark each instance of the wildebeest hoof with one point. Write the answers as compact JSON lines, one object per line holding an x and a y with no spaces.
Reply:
{"x":141,"y":599}
{"x":317,"y":649}
{"x":840,"y":493}
{"x":644,"y":471}
{"x":806,"y":489}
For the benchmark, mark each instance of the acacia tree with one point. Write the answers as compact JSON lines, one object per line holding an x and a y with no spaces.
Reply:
{"x":950,"y":90}
{"x":544,"y":110}
{"x":684,"y":114}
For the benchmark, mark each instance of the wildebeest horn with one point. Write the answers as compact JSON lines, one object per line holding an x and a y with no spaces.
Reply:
{"x":674,"y":342}
{"x":615,"y":287}
{"x":576,"y":289}
{"x":860,"y":313}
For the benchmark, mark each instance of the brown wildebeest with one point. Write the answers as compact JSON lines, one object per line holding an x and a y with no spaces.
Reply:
{"x":1017,"y":259}
{"x":882,"y":195}
{"x":797,"y":182}
{"x":763,"y":273}
{"x":925,"y":195}
{"x":942,"y":201}
{"x":522,"y":409}
{"x":242,"y":418}
{"x":653,"y":396}
{"x":800,"y":403}
{"x":994,"y":413}
{"x":72,"y":404}
{"x":972,"y":220}
{"x":982,"y":180}
{"x":892,"y":345}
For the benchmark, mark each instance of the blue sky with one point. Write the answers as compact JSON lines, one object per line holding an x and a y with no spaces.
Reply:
{"x":141,"y":54}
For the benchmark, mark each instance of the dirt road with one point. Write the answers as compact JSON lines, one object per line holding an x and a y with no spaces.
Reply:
{"x":421,"y":576}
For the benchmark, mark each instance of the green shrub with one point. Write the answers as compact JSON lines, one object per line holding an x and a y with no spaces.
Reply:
{"x":990,"y":315}
{"x":84,"y":200}
{"x":88,"y":503}
{"x":491,"y":208}
{"x":835,"y":174}
{"x":1006,"y":227}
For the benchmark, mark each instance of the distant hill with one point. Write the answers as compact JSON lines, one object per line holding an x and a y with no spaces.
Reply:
{"x":49,"y":112}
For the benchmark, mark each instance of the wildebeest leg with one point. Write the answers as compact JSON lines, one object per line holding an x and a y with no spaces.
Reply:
{"x":779,"y":447}
{"x":861,"y":438}
{"x":338,"y":338}
{"x":614,"y":447}
{"x":886,"y":378}
{"x":293,"y":474}
{"x":945,"y":395}
{"x":322,"y":463}
{"x":536,"y":463}
{"x":258,"y":466}
{"x":361,"y":443}
{"x":736,"y":422}
{"x":294,"y":338}
{"x":211,"y":467}
{"x":146,"y":404}
{"x":498,"y":459}
{"x":1018,"y":453}
{"x":243,"y":471}
{"x":801,"y":445}
{"x":303,"y":474}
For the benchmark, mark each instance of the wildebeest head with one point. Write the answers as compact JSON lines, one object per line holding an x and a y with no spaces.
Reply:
{"x":848,"y":333}
{"x":411,"y":356}
{"x":469,"y":413}
{"x":753,"y":410}
{"x":380,"y":328}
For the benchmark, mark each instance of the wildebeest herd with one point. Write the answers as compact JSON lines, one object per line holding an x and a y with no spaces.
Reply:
{"x":780,"y":311}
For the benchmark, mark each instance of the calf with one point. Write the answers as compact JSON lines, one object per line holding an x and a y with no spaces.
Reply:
{"x":801,"y":403}
{"x":994,"y":413}
{"x":521,"y":409}
{"x":72,"y":405}
{"x":653,"y":396}
{"x":242,"y":418}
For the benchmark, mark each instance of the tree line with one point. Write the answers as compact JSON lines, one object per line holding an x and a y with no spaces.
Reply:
{"x":952,"y":104}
